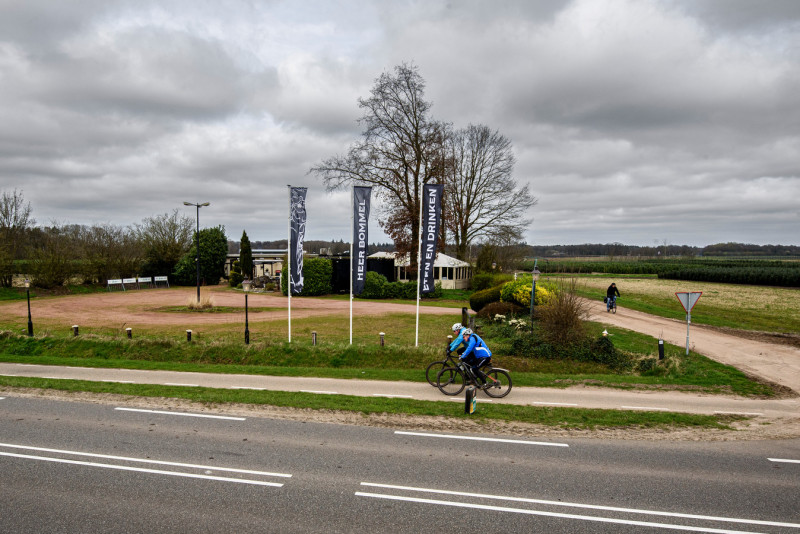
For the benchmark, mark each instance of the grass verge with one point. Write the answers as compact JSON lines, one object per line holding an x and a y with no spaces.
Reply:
{"x":393,"y":362}
{"x":565,"y":418}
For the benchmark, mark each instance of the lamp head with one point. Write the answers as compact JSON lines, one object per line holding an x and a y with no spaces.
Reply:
{"x":27,"y":283}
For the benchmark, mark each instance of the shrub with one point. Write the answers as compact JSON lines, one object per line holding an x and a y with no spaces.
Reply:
{"x":601,"y":350}
{"x":317,"y":276}
{"x":501,"y":308}
{"x":374,"y":284}
{"x":479,"y":299}
{"x":519,"y":292}
{"x":482,"y":281}
{"x":236,"y":277}
{"x":563,"y":316}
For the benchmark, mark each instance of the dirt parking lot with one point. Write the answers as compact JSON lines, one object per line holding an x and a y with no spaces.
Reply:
{"x":150,"y":307}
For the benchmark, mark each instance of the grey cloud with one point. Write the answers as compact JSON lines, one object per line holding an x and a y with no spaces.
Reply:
{"x":632,"y":120}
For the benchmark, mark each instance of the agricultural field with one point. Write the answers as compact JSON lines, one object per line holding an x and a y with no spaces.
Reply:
{"x":757,"y":308}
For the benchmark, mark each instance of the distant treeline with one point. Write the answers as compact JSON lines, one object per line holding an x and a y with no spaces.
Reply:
{"x":723,"y":270}
{"x":618,"y":250}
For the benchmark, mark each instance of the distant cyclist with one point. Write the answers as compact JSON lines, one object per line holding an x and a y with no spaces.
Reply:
{"x":611,"y":296}
{"x":458,"y":330}
{"x":476,"y":354}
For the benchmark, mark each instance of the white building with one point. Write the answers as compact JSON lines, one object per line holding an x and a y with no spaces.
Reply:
{"x":452,"y":273}
{"x":266,"y":262}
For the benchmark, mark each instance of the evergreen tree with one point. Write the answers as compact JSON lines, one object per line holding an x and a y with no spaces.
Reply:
{"x":246,"y":256}
{"x":213,"y":253}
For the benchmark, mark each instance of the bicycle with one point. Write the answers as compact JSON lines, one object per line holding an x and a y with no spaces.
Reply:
{"x":453,"y":380}
{"x":612,"y":306}
{"x":433,"y":369}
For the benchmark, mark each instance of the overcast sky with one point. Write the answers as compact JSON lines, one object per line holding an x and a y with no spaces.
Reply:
{"x":632,"y":121}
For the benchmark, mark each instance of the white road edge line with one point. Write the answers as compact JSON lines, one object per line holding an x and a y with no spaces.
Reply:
{"x":143,"y":470}
{"x":184,"y":385}
{"x":245,"y":387}
{"x":557,"y":403}
{"x":392,"y":396}
{"x":550,"y":514}
{"x":144,"y":460}
{"x":737,"y":413}
{"x":119,"y":381}
{"x":319,"y":392}
{"x":784,"y":460}
{"x":183,"y":414}
{"x":644,"y":408}
{"x":587,"y":506}
{"x":473,"y":438}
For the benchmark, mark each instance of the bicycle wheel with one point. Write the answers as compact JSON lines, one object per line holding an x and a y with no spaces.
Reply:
{"x":614,"y":308}
{"x":502,"y":385}
{"x":433,"y":371}
{"x":450,"y":381}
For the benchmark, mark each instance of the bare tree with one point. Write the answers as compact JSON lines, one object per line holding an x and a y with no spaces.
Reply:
{"x":54,"y":255}
{"x":400,"y":151}
{"x":484,"y":201}
{"x":15,"y":220}
{"x":111,"y":252}
{"x":165,"y":239}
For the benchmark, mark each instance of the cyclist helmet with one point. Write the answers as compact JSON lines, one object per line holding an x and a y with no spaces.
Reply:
{"x":468,"y":332}
{"x":456,"y":326}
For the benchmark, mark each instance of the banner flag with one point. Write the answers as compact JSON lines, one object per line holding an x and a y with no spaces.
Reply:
{"x":361,"y":204}
{"x":297,"y":230}
{"x":431,"y":215}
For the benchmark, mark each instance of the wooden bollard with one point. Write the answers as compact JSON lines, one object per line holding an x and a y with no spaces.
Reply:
{"x":129,"y":332}
{"x":314,"y":338}
{"x":75,"y":330}
{"x":382,"y":335}
{"x":188,"y":335}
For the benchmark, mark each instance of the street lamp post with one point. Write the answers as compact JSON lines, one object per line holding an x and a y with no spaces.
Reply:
{"x":535,"y":275}
{"x":197,"y":259}
{"x":28,"y":293}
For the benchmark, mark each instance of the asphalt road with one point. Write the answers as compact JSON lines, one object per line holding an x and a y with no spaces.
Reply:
{"x":77,"y":467}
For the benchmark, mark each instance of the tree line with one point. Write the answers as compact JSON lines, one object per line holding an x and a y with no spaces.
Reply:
{"x":620,"y":251}
{"x":55,"y":254}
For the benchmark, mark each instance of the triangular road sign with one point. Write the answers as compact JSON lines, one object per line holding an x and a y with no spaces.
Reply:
{"x":688,"y":300}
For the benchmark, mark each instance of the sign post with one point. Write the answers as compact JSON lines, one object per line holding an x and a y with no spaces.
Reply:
{"x":688,"y":300}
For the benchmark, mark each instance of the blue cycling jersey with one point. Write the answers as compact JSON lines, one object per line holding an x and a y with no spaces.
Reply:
{"x":477,"y":346}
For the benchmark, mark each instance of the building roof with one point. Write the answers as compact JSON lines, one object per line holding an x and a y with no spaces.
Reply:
{"x":442,"y":260}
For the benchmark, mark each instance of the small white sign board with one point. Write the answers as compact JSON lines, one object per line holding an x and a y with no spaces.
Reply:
{"x":688,"y":300}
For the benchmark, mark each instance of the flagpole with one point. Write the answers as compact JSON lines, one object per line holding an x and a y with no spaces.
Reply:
{"x":289,"y":263}
{"x":352,"y":241}
{"x":419,"y":263}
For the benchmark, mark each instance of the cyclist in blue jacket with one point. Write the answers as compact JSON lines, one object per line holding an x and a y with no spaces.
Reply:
{"x":476,"y":355}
